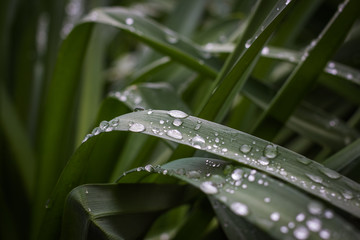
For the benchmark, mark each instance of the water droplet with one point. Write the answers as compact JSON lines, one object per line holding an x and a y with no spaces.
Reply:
{"x":303,"y":160}
{"x":275,"y":216}
{"x":177,"y":122}
{"x":330,"y":173}
{"x":198,"y":126}
{"x":267,"y":199}
{"x":86,"y":191}
{"x":248,"y":43}
{"x":48,"y":204}
{"x":239,"y":208}
{"x":347,"y":194}
{"x":96,"y":131}
{"x":171,"y":38}
{"x":245,"y":148}
{"x":314,"y":224}
{"x":270,"y":151}
{"x":284,"y":229}
{"x":129,"y":21}
{"x":265,"y":51}
{"x":251,"y":178}
{"x":315,"y":208}
{"x":177,"y":114}
{"x":224,"y":150}
{"x":287,"y":2}
{"x":301,"y":232}
{"x":300,"y":217}
{"x":174,"y":134}
{"x":104,"y":125}
{"x":314,"y":178}
{"x":264,"y":161}
{"x":237,"y":174}
{"x":208,"y":187}
{"x":193,"y":174}
{"x":148,"y":168}
{"x":161,"y":122}
{"x":325,"y":234}
{"x":198,"y":142}
{"x":137,"y":127}
{"x":115,"y":122}
{"x":87,"y":137}
{"x":328,"y":214}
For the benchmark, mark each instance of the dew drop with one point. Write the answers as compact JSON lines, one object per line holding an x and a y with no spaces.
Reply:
{"x":198,"y":142}
{"x":287,"y":2}
{"x":174,"y":134}
{"x":300,"y":217}
{"x":224,"y":150}
{"x":239,"y":208}
{"x":314,"y":178}
{"x":115,"y":122}
{"x":328,"y":214}
{"x":267,"y":199}
{"x":177,"y":122}
{"x":96,"y":131}
{"x":264,"y":161}
{"x":237,"y":174}
{"x":284,"y":229}
{"x":193,"y":174}
{"x":265,"y":51}
{"x":303,"y":160}
{"x":177,"y":114}
{"x":104,"y":125}
{"x":251,"y":178}
{"x":129,"y":21}
{"x":137,"y":127}
{"x":148,"y":168}
{"x":330,"y":173}
{"x":248,"y":43}
{"x":270,"y":151}
{"x":275,"y":216}
{"x":48,"y":204}
{"x":325,"y":234}
{"x":198,"y":126}
{"x":314,"y":224}
{"x":301,"y":232}
{"x":245,"y":148}
{"x":208,"y":187}
{"x":347,"y":194}
{"x":315,"y":208}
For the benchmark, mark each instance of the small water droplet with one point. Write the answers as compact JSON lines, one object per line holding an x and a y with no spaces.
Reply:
{"x":267,"y":199}
{"x":237,"y":174}
{"x":148,"y":168}
{"x":245,"y":148}
{"x":177,"y":114}
{"x":325,"y":234}
{"x":251,"y":178}
{"x":314,"y":224}
{"x":129,"y":21}
{"x":137,"y":127}
{"x":303,"y":160}
{"x":177,"y":122}
{"x":174,"y":134}
{"x":48,"y":204}
{"x":248,"y":43}
{"x":104,"y":125}
{"x":328,"y":214}
{"x":300,"y":217}
{"x":224,"y":150}
{"x":96,"y":131}
{"x":330,"y":173}
{"x":315,"y":208}
{"x":265,"y":51}
{"x":89,"y":209}
{"x":275,"y":216}
{"x":193,"y":174}
{"x":198,"y":142}
{"x":86,"y":191}
{"x":264,"y":161}
{"x":287,"y":2}
{"x":284,"y":229}
{"x":270,"y":151}
{"x":208,"y":187}
{"x":115,"y":122}
{"x":301,"y":232}
{"x":239,"y":208}
{"x":171,"y":38}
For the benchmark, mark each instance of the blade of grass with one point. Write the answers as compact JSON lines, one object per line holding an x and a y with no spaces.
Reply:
{"x":304,"y":76}
{"x":269,"y":204}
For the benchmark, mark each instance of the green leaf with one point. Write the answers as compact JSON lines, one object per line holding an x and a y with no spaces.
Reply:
{"x":223,"y":141}
{"x":118,"y":211}
{"x":303,"y":77}
{"x":277,"y":208}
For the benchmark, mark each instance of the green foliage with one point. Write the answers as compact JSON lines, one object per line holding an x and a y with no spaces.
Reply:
{"x":180,"y":119}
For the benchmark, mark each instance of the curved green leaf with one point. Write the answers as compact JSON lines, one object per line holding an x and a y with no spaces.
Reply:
{"x":278,"y":209}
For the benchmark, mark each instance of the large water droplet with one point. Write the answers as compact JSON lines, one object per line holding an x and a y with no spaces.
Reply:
{"x":314,"y":178}
{"x":264,"y":161}
{"x":275,"y":216}
{"x":301,"y":232}
{"x":177,"y":114}
{"x":208,"y":187}
{"x":115,"y":122}
{"x":245,"y":148}
{"x":303,"y":160}
{"x":314,"y":224}
{"x":137,"y":127}
{"x":96,"y":131}
{"x":174,"y":134}
{"x":198,"y":142}
{"x":239,"y":208}
{"x":270,"y":151}
{"x":149,"y":168}
{"x":330,"y":173}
